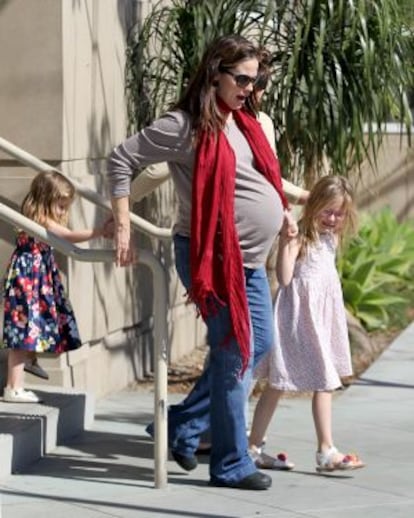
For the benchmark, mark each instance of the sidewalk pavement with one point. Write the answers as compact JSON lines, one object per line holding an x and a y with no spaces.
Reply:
{"x":108,"y":470}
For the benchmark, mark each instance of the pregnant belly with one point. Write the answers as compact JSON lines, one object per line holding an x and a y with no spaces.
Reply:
{"x":259,"y":217}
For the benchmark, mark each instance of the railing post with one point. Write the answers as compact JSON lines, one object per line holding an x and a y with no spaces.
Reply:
{"x":161,"y":367}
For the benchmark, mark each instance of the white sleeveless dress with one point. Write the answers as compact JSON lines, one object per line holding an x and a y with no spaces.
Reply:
{"x":312,"y":350}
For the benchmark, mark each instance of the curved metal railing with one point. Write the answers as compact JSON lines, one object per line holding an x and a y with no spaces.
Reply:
{"x":102,"y":255}
{"x":139,"y":223}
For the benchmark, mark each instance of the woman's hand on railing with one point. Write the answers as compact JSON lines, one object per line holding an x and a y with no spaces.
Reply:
{"x":124,"y":255}
{"x":122,"y":227}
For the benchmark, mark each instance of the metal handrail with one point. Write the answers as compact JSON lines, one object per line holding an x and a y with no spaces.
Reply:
{"x":16,"y":219}
{"x":101,"y":255}
{"x":26,"y":158}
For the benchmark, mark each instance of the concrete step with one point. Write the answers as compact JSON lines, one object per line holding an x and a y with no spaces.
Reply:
{"x":28,"y":431}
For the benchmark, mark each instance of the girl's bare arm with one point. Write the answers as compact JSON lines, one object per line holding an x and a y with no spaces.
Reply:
{"x":288,"y":251}
{"x":74,"y":236}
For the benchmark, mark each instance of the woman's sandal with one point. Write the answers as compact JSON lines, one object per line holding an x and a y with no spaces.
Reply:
{"x":265,"y":461}
{"x":331,"y":460}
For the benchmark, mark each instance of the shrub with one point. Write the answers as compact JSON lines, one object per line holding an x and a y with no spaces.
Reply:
{"x":376,"y":269}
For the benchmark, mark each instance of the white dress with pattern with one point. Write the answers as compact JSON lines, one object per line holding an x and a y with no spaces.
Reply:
{"x":312,"y":349}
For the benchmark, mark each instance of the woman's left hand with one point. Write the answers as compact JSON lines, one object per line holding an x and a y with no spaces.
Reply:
{"x":124,"y":255}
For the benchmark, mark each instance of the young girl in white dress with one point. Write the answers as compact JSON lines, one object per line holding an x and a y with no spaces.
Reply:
{"x":312,"y":351}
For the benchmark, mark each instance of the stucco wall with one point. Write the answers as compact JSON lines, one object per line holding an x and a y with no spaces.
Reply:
{"x":31,"y":78}
{"x":392,"y":182}
{"x":63,"y":100}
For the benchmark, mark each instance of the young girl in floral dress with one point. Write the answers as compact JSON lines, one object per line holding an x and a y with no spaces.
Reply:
{"x":37,"y":315}
{"x":312,"y":351}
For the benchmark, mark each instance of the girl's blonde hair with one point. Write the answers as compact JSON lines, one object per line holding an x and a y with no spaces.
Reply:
{"x":46,"y":191}
{"x":325,"y":191}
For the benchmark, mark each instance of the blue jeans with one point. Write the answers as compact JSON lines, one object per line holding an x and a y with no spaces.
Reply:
{"x":219,"y":396}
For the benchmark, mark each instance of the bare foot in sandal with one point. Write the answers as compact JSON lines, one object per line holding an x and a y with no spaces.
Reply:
{"x":333,"y":460}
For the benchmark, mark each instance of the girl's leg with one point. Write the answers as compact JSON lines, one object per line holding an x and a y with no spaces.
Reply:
{"x":263,"y":414}
{"x":15,"y":365}
{"x":261,"y":310}
{"x":322,"y":417}
{"x":328,"y":458}
{"x":261,"y":313}
{"x":14,"y":391}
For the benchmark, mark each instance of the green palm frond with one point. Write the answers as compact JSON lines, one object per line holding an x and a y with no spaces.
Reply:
{"x":340,"y":75}
{"x":341,"y":70}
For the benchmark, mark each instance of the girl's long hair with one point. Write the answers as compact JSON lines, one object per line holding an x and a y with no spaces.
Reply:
{"x":324,"y":192}
{"x":46,"y":191}
{"x":200,"y":100}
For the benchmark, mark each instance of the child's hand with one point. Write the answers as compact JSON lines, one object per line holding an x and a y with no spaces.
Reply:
{"x":290,"y":227}
{"x":108,"y":228}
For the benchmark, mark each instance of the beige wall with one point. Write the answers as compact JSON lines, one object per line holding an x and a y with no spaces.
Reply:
{"x":31,"y":76}
{"x":392,"y":184}
{"x":63,"y":100}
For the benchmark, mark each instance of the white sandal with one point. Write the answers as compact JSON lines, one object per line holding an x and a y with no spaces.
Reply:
{"x":264,"y":461}
{"x":327,"y":461}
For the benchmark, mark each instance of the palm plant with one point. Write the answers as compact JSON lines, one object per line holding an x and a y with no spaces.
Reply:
{"x":340,"y":71}
{"x":164,"y":51}
{"x":407,"y":11}
{"x":340,"y":76}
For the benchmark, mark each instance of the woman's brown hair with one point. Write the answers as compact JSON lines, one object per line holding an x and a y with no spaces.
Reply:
{"x":199,"y":99}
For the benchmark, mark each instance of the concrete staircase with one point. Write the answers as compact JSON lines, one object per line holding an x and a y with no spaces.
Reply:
{"x":29,"y":431}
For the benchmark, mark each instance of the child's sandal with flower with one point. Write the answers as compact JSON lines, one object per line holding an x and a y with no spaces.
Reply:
{"x":331,"y":460}
{"x":264,"y":461}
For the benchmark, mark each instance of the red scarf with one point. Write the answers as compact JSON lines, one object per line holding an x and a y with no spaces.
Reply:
{"x":217,"y":275}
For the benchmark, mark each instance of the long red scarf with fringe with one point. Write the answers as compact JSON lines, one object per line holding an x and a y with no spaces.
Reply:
{"x":217,"y":276}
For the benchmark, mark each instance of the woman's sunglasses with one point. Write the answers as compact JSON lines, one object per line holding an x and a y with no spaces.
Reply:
{"x":241,"y":80}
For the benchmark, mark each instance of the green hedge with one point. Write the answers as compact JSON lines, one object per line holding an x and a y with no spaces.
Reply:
{"x":376,"y":269}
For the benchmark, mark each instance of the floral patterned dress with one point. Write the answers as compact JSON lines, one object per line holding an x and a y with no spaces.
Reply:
{"x":312,"y":350}
{"x":37,"y":315}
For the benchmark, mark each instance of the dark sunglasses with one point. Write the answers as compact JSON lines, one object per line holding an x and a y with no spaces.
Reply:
{"x":241,"y":80}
